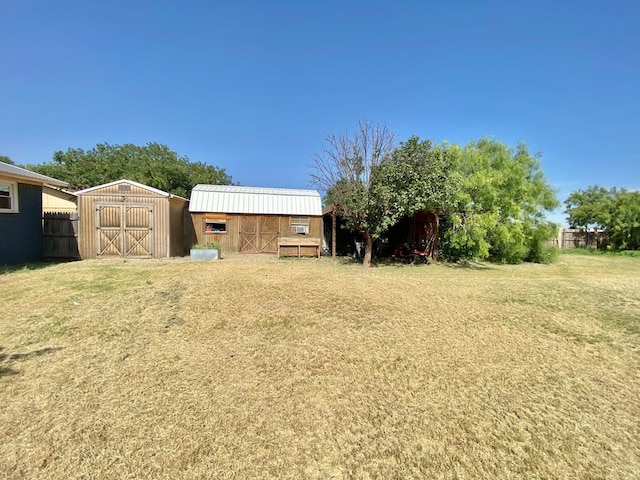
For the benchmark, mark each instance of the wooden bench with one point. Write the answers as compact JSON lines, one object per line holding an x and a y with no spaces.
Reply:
{"x":300,"y":243}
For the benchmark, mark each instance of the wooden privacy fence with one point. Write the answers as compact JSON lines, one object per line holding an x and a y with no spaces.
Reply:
{"x":578,"y":238}
{"x":60,"y":235}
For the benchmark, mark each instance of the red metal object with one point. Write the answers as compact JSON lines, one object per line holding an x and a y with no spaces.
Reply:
{"x":407,"y":253}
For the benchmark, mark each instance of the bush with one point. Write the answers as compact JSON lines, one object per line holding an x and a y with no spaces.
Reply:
{"x":538,"y":251}
{"x":507,"y":242}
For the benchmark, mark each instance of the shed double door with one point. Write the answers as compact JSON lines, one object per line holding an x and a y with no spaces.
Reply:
{"x":124,"y":230}
{"x":259,"y":234}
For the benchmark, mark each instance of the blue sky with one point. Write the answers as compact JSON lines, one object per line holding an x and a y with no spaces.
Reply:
{"x":254,"y":86}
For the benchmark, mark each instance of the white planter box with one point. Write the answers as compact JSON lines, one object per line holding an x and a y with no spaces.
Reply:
{"x":204,"y":254}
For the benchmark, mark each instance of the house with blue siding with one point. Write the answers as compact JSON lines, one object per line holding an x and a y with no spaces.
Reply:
{"x":21,"y":214}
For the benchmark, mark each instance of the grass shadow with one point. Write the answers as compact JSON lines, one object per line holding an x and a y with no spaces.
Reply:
{"x":394,"y":262}
{"x":380,"y":262}
{"x":468,"y":264}
{"x":6,"y":359}
{"x":347,"y":260}
{"x":5,"y":371}
{"x":24,"y":267}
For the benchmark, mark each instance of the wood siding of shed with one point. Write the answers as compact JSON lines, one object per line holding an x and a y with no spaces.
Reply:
{"x":164,"y":233}
{"x":229,"y":241}
{"x":177,"y":241}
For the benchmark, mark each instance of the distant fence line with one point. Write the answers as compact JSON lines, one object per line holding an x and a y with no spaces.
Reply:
{"x":579,"y":238}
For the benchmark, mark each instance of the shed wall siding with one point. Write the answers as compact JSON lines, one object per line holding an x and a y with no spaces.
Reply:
{"x":21,"y":233}
{"x":88,"y":203}
{"x":229,"y":241}
{"x":177,"y":244}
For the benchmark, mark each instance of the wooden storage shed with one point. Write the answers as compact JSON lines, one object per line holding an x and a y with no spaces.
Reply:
{"x":257,"y":220}
{"x":125,"y":219}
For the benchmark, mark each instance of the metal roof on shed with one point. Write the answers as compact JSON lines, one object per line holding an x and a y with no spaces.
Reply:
{"x":254,"y":200}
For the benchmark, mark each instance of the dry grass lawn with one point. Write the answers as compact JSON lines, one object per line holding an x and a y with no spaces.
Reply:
{"x":257,"y":368}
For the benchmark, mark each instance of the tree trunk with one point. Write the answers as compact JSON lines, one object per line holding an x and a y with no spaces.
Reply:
{"x":368,"y":250}
{"x":333,"y":231}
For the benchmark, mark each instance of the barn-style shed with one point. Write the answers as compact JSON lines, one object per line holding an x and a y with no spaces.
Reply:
{"x":126,"y":219}
{"x":257,"y":220}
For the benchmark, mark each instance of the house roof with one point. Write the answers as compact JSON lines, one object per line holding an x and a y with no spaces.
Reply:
{"x":23,"y":174}
{"x":130,"y":182}
{"x":47,"y":188}
{"x":254,"y":200}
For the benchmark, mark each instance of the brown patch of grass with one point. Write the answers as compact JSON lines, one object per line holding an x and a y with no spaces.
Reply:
{"x":257,"y":368}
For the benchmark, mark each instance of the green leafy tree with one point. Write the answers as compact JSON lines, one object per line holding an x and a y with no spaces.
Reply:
{"x":498,"y":210}
{"x":415,"y":176}
{"x":590,"y":207}
{"x":153,"y":164}
{"x":616,"y":211}
{"x":376,"y":184}
{"x":5,"y":159}
{"x":624,"y":228}
{"x":345,"y":171}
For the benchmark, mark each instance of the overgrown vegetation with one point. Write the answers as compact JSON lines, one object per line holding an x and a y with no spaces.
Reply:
{"x":498,"y":212}
{"x":375,"y":183}
{"x":255,"y":368}
{"x":493,"y":197}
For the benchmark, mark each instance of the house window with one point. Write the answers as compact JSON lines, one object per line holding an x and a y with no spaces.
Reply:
{"x":215,"y":226}
{"x":8,"y":197}
{"x":300,"y":225}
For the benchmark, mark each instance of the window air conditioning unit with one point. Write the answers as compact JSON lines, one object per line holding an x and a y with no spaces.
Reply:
{"x":301,"y":229}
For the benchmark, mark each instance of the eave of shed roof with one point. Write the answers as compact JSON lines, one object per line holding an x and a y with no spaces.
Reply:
{"x":130,"y":182}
